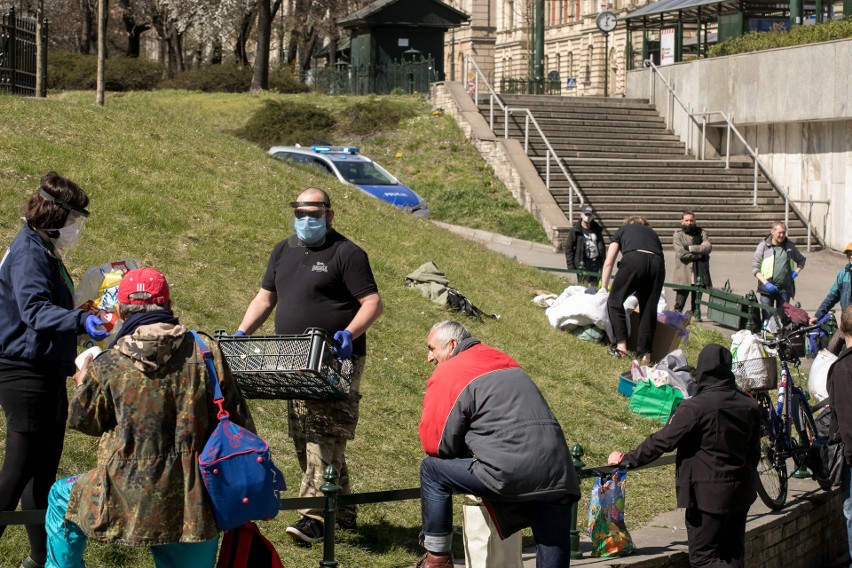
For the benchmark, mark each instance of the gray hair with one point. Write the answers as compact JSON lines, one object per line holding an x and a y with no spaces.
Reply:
{"x":447,"y":330}
{"x":130,"y":309}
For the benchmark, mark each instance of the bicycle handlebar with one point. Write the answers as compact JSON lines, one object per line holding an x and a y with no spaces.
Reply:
{"x":787,"y":338}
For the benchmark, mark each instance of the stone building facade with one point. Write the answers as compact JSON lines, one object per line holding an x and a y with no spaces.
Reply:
{"x":500,"y":40}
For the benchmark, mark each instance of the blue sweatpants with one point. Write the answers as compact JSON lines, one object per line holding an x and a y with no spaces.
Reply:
{"x":66,"y":542}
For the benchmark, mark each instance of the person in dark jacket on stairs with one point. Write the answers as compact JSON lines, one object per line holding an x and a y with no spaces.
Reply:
{"x":717,"y":437}
{"x":584,"y":248}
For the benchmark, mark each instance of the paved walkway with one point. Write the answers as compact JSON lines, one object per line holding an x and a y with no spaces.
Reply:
{"x":666,"y":533}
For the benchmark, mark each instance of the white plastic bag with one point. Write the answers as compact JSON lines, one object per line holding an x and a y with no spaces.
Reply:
{"x":819,"y":374}
{"x":483,"y":547}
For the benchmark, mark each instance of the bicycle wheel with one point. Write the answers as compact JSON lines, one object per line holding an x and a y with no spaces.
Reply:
{"x":805,"y":428}
{"x":771,"y":469}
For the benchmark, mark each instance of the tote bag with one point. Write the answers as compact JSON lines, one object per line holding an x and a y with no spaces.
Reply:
{"x":656,"y":403}
{"x":607,"y":530}
{"x":483,"y":547}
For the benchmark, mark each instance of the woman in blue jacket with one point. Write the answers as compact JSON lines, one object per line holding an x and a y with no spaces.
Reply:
{"x":38,"y":343}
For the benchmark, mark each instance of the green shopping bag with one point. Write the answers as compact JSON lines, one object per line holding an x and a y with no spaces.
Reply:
{"x":656,"y":403}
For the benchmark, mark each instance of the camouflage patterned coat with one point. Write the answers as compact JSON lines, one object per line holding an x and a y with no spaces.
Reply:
{"x":149,"y":400}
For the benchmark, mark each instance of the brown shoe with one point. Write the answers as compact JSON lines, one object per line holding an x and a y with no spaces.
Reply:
{"x":432,"y":560}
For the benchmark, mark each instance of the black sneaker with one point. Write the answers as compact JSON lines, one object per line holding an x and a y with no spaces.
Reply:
{"x":306,"y":531}
{"x":349,"y":525}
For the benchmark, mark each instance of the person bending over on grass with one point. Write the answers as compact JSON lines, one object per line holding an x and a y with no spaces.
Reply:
{"x":487,"y":431}
{"x":149,"y":399}
{"x":642,"y":271}
{"x":717,"y":437}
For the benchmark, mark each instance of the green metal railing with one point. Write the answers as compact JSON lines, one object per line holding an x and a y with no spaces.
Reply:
{"x":407,"y":76}
{"x":530,"y":86}
{"x":716,"y":300}
{"x":332,"y":499}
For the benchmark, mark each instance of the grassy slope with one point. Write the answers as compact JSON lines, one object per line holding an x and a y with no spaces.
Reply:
{"x":169,"y":186}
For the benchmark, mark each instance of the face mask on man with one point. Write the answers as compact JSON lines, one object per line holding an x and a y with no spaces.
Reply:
{"x":587,"y":218}
{"x":310,"y":230}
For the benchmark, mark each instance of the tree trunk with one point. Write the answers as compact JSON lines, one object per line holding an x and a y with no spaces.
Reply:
{"x":216,"y":52}
{"x":260,"y":77}
{"x":243,"y":35}
{"x":103,"y":9}
{"x":89,"y":32}
{"x":134,"y":30}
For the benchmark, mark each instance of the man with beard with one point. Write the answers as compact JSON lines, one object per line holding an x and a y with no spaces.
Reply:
{"x":692,"y":259}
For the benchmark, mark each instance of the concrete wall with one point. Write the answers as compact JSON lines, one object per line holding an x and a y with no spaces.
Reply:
{"x":506,"y":156}
{"x":794,"y":105}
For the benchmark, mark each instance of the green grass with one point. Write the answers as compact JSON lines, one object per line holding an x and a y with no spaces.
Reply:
{"x":172,"y":187}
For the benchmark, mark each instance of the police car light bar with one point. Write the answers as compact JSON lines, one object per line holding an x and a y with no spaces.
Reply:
{"x":341,"y":149}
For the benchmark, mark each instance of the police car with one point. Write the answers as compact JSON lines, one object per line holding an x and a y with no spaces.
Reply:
{"x":350,"y":167}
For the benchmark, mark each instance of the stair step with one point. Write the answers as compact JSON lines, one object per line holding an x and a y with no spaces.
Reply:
{"x":625,"y":162}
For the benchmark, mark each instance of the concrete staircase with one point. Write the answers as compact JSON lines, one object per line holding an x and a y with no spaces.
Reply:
{"x":626,"y":162}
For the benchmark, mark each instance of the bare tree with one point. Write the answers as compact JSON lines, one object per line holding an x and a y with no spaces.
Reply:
{"x":265,"y":14}
{"x":135,"y":24}
{"x":89,"y":32}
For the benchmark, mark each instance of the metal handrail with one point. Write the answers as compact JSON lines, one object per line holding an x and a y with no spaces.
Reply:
{"x":528,"y":117}
{"x":731,"y":128}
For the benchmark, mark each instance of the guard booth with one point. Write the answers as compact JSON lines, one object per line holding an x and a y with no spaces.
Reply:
{"x":398,"y":44}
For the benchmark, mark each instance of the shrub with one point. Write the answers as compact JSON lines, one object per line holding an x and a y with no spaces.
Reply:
{"x":224,"y":78}
{"x":373,"y":115}
{"x":73,"y":71}
{"x":288,"y":123}
{"x":799,"y":35}
{"x":131,"y":74}
{"x":282,"y":81}
{"x":68,"y":71}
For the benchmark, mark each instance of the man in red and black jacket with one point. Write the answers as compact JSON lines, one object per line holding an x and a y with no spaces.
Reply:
{"x":489,"y":432}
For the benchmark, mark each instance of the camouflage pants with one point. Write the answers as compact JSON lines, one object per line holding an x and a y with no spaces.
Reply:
{"x":320,"y":430}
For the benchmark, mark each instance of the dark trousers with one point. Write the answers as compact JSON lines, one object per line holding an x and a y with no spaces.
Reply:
{"x":642,"y":274}
{"x":441,"y":478}
{"x":680,"y":301}
{"x":716,"y":540}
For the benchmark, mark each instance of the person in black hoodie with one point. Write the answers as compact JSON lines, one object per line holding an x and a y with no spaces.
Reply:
{"x":717,"y":437}
{"x":584,"y":249}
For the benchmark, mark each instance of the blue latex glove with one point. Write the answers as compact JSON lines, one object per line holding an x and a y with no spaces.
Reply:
{"x":770,"y":287}
{"x":93,"y":322}
{"x":238,"y":333}
{"x":794,"y":274}
{"x":343,"y":339}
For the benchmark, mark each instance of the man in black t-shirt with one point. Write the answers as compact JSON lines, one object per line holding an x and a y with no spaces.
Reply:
{"x":318,"y":278}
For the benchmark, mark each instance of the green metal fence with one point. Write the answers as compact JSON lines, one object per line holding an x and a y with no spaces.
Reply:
{"x":406,"y":76}
{"x":530,"y":86}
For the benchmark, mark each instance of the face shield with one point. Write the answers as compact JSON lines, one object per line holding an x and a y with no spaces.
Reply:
{"x":66,"y":237}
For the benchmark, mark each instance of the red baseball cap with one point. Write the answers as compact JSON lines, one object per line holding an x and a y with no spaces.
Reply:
{"x":148,"y":281}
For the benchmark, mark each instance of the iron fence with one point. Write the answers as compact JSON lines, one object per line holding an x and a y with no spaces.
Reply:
{"x":18,"y":53}
{"x":530,"y":86}
{"x":406,"y":76}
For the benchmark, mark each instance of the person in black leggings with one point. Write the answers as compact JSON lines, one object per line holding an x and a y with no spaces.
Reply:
{"x":642,"y":271}
{"x":38,"y":343}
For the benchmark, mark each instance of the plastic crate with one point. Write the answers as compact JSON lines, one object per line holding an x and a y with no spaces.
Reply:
{"x":626,"y":385}
{"x":756,"y":374}
{"x":287,"y":366}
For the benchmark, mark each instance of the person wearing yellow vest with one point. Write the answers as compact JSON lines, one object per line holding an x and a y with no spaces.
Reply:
{"x":776,"y":264}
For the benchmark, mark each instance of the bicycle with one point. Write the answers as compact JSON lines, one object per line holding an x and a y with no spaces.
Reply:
{"x":791,"y":413}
